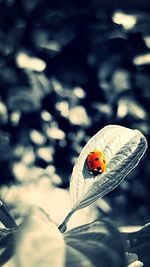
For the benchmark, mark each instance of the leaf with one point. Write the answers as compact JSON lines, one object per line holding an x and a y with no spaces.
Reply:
{"x":136,"y":264}
{"x":96,"y":244}
{"x":140,"y":244}
{"x":6,"y":244}
{"x":40,"y":244}
{"x":122,"y":147}
{"x":131,"y":257}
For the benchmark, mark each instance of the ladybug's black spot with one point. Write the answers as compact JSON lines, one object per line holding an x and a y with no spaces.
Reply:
{"x":89,"y":161}
{"x":103,"y":160}
{"x":92,"y":152}
{"x":96,"y":159}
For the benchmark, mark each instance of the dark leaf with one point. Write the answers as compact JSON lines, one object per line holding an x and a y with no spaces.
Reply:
{"x":140,"y":244}
{"x":95,"y":244}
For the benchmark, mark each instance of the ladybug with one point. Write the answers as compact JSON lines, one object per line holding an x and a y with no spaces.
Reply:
{"x":96,"y":162}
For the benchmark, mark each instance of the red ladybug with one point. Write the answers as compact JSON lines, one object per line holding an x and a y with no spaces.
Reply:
{"x":96,"y":162}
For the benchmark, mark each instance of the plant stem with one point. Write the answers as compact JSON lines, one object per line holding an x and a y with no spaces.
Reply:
{"x":5,"y":217}
{"x":63,"y":226}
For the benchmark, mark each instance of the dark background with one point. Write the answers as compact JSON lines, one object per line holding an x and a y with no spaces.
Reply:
{"x":92,"y":77}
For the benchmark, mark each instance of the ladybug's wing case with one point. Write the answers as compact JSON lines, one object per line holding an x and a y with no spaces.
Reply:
{"x":90,"y":162}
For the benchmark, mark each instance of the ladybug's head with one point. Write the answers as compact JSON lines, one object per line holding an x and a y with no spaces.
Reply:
{"x":96,"y":171}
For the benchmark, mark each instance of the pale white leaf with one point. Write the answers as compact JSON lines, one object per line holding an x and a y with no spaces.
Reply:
{"x":136,"y":264}
{"x":39,"y":242}
{"x":122,"y":147}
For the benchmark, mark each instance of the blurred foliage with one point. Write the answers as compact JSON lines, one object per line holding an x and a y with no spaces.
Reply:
{"x":67,"y":69}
